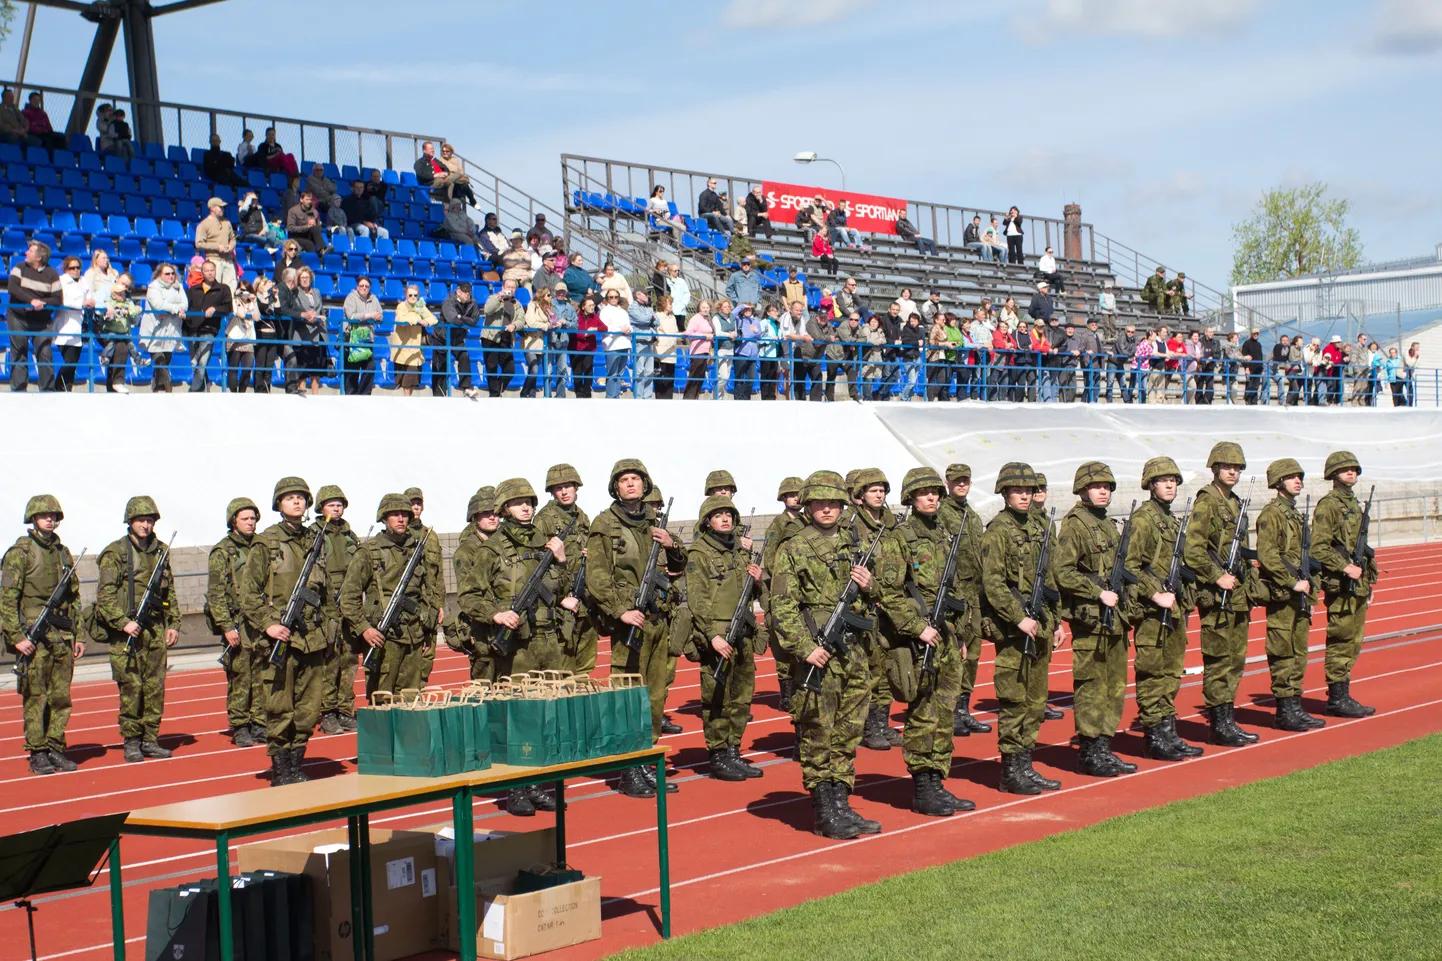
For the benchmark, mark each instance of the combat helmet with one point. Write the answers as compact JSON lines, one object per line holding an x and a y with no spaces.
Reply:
{"x":653,"y":496}
{"x":392,"y":504}
{"x":331,"y":492}
{"x":789,"y":485}
{"x":1040,"y":481}
{"x":823,"y":485}
{"x":1338,"y":461}
{"x":717,"y":502}
{"x":866,"y":477}
{"x":919,"y":479}
{"x":509,"y":490}
{"x":1015,"y":474}
{"x":955,"y":472}
{"x":558,"y":474}
{"x":629,"y":465}
{"x":851,"y":482}
{"x":235,"y":507}
{"x":414,"y":494}
{"x":719,"y":478}
{"x":1227,"y":452}
{"x":141,"y":506}
{"x":290,"y":485}
{"x":1279,"y":470}
{"x":1092,"y":472}
{"x":42,"y":504}
{"x":1159,"y":467}
{"x":481,"y":502}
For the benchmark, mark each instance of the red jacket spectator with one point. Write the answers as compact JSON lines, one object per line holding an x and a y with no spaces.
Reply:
{"x":1002,"y":340}
{"x":1334,"y":355}
{"x":821,"y":247}
{"x":1176,"y":348}
{"x":583,"y":341}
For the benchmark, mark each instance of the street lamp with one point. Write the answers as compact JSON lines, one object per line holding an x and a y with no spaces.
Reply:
{"x":809,"y":157}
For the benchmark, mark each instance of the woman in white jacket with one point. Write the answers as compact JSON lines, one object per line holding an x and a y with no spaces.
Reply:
{"x":69,"y":324}
{"x":166,"y":303}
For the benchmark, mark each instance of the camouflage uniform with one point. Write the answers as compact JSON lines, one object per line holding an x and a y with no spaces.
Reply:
{"x":463,"y":634}
{"x":244,"y":697}
{"x":29,"y":573}
{"x":125,"y":568}
{"x":1334,"y":537}
{"x":787,"y":524}
{"x":673,"y":609}
{"x":1279,"y":555}
{"x":1154,"y":291}
{"x":861,"y":526}
{"x":968,"y":624}
{"x":577,"y":631}
{"x":909,"y":566}
{"x":435,"y":560}
{"x":337,"y":707}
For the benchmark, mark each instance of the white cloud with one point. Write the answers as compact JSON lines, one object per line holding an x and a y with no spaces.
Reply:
{"x":1043,"y":170}
{"x":1408,"y":27}
{"x":789,"y":13}
{"x":1138,"y":18}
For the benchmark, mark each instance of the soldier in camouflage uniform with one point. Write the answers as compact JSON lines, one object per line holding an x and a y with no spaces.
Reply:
{"x":677,"y":615}
{"x":955,"y":513}
{"x":463,"y":634}
{"x":1043,"y":519}
{"x":30,"y":572}
{"x":812,"y":569}
{"x":1224,"y":626}
{"x":616,"y":554}
{"x":125,"y":569}
{"x":1010,"y":550}
{"x":1288,"y":594}
{"x":244,"y":695}
{"x":435,"y":560}
{"x":909,"y":566}
{"x":867,"y":515}
{"x":1159,"y":651}
{"x":295,"y":687}
{"x":1086,"y":551}
{"x":1347,"y":586}
{"x":337,"y":709}
{"x":788,"y":522}
{"x":716,"y":568}
{"x":577,"y":630}
{"x":1154,"y":291}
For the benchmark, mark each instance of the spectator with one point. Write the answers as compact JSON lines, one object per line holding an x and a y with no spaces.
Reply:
{"x":430,"y":172}
{"x":289,"y":259}
{"x":538,"y":317}
{"x":1359,"y":359}
{"x":121,"y":144}
{"x":758,"y":213}
{"x":252,"y":220}
{"x":667,"y":341}
{"x":1295,"y":379}
{"x":377,"y":192}
{"x":1211,"y":352}
{"x":679,"y":290}
{"x":504,"y":317}
{"x":35,"y":291}
{"x":872,"y":351}
{"x":724,"y":323}
{"x":744,"y":285}
{"x":161,"y":327}
{"x":1142,"y":364}
{"x":69,"y":325}
{"x":240,"y":340}
{"x":311,"y":357}
{"x":215,"y":238}
{"x":1154,"y":291}
{"x":219,"y":166}
{"x":113,"y":327}
{"x":711,"y":208}
{"x":516,"y":262}
{"x":1253,"y":354}
{"x":1093,"y":364}
{"x":1192,"y":368}
{"x":291,"y":197}
{"x":408,"y":337}
{"x":583,"y":346}
{"x":1334,"y":358}
{"x":767,"y":350}
{"x":1176,"y":354}
{"x":1376,"y":364}
{"x":1396,"y":377}
{"x":642,"y":320}
{"x":1041,"y":307}
{"x":1123,"y":371}
{"x":932,"y":306}
{"x":579,"y":281}
{"x":104,"y":128}
{"x":360,"y":220}
{"x":302,"y":224}
{"x":457,"y":227}
{"x":546,"y":278}
{"x":1046,"y":268}
{"x":1410,"y":362}
{"x":1012,"y":228}
{"x":982,"y":324}
{"x":39,"y":123}
{"x":210,"y":305}
{"x":840,"y":232}
{"x":971,"y":237}
{"x":456,"y":177}
{"x":540,"y":229}
{"x":660,"y":211}
{"x":1177,"y":300}
{"x":563,"y":323}
{"x":821,"y":249}
{"x":911,"y":336}
{"x":492,"y":242}
{"x":748,"y":349}
{"x":1106,"y":300}
{"x":1231,"y":349}
{"x":363,"y":313}
{"x":245,"y":153}
{"x":908,"y":306}
{"x":617,"y":340}
{"x":1281,"y":353}
{"x":699,"y":333}
{"x":459,"y":315}
{"x":1009,"y":317}
{"x":848,"y":301}
{"x":336,"y":221}
{"x":992,"y":247}
{"x":907,"y":231}
{"x":268,"y":334}
{"x":274,"y":157}
{"x":611,"y":279}
{"x":937,"y":370}
{"x":811,"y":218}
{"x":96,"y":284}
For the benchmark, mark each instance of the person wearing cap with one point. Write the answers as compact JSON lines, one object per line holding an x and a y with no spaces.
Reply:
{"x":215,"y":238}
{"x":516,"y":261}
{"x":244,"y":695}
{"x":34,"y":289}
{"x":1288,"y":593}
{"x":1347,"y":586}
{"x":1334,"y":360}
{"x":337,"y":707}
{"x":563,"y":324}
{"x":1177,"y":300}
{"x":1154,"y":291}
{"x":1041,"y":307}
{"x":209,"y":305}
{"x":464,"y":635}
{"x":1107,"y":299}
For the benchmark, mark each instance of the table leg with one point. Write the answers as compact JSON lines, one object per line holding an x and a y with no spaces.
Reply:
{"x":357,"y":894}
{"x":465,"y":872}
{"x":222,"y":896}
{"x":663,"y":847}
{"x":560,"y":787}
{"x":117,"y":902}
{"x":368,"y":916}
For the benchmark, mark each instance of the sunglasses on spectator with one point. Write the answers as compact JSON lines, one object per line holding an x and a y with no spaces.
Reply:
{"x":412,"y":296}
{"x":364,"y":283}
{"x":73,"y":267}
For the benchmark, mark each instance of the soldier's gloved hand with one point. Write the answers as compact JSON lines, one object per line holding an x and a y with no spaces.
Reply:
{"x":818,"y":657}
{"x":131,"y":628}
{"x":1028,"y":626}
{"x":557,"y":549}
{"x":232,"y":638}
{"x":1227,"y":582}
{"x":508,"y":619}
{"x":571,"y":604}
{"x":633,"y":619}
{"x":1109,"y":598}
{"x":278,"y":632}
{"x":171,"y":637}
{"x":930,"y":636}
{"x":1353,"y":571}
{"x":719,"y":645}
{"x":373,"y":637}
{"x":25,"y":647}
{"x":861,"y":576}
{"x":1164,"y":600}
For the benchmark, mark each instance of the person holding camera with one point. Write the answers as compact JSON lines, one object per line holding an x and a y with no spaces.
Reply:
{"x":504,"y":316}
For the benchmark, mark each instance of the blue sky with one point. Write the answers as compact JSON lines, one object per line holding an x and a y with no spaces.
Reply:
{"x":1164,"y":119}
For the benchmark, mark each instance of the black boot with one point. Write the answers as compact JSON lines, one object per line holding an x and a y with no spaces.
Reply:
{"x":843,"y":796}
{"x":1224,"y":730}
{"x":1290,"y":716}
{"x":722,"y":769}
{"x":297,"y":757}
{"x":1159,"y":747}
{"x":61,"y":763}
{"x":1013,"y":777}
{"x":1104,"y":745}
{"x":40,"y":763}
{"x":518,"y":802}
{"x":243,"y":737}
{"x":541,"y":798}
{"x":958,"y":804}
{"x":280,"y":768}
{"x":1341,"y":704}
{"x":330,"y":723}
{"x":1049,"y":713}
{"x":871,"y":735}
{"x":153,"y":749}
{"x":827,"y":821}
{"x":892,"y":735}
{"x":925,"y":798}
{"x":669,"y":726}
{"x":752,"y":771}
{"x":649,"y":773}
{"x":963,"y":723}
{"x":132,"y":750}
{"x":1045,"y":783}
{"x":634,"y":784}
{"x":1188,"y":750}
{"x":787,"y":687}
{"x":1093,"y":763}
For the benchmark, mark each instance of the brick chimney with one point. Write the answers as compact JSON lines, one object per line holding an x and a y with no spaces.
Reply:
{"x":1071,"y":233}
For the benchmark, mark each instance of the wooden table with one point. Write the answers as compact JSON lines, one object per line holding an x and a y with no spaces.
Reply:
{"x":355,"y":797}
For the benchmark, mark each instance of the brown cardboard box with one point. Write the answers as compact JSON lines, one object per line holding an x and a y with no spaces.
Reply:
{"x":498,"y":854}
{"x":406,"y":909}
{"x":520,"y":925}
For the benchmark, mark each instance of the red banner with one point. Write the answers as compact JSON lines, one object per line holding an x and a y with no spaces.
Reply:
{"x":868,"y":213}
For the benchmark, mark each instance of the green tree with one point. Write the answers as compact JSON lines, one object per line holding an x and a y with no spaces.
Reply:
{"x":7,"y":16}
{"x":1294,"y":232}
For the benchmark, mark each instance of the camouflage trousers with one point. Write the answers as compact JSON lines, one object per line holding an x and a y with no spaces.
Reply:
{"x":244,"y":691}
{"x":829,"y":724}
{"x":401,"y":667}
{"x":578,"y":645}
{"x":45,"y":694}
{"x":1099,"y":680}
{"x":1346,"y":623}
{"x":970,"y":653}
{"x":341,"y":664}
{"x":141,"y":679}
{"x":293,"y":693}
{"x":1159,"y":657}
{"x":1224,"y":654}
{"x":651,"y":661}
{"x":878,"y":692}
{"x":1021,"y":690}
{"x":1287,"y":630}
{"x":926,"y":733}
{"x":539,"y":652}
{"x":724,"y":706}
{"x":428,"y":656}
{"x":483,"y":666}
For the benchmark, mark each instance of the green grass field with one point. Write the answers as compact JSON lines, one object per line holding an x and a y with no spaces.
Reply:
{"x":1339,"y":861}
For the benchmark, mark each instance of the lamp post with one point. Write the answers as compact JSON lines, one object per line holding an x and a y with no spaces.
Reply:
{"x":809,"y":157}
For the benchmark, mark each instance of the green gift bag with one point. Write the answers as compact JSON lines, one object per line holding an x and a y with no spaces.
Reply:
{"x":533,"y":730}
{"x":456,"y":730}
{"x":498,"y":718}
{"x":417,"y":737}
{"x":373,"y":736}
{"x":636,"y":733}
{"x":472,"y":701}
{"x":610,"y":710}
{"x":586,"y":706}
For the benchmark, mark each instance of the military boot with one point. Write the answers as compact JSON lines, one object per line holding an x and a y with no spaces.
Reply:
{"x":257,"y":733}
{"x":722,"y":768}
{"x":541,"y":797}
{"x":1045,"y":783}
{"x":40,"y":763}
{"x":242,"y":737}
{"x":843,"y":795}
{"x":1104,"y":745}
{"x":297,"y":757}
{"x":132,"y":750}
{"x":330,"y":724}
{"x":1291,"y":717}
{"x":634,"y":784}
{"x":1013,"y":777}
{"x":1092,"y":762}
{"x":518,"y":802}
{"x":1159,"y":747}
{"x":279,"y":764}
{"x":892,"y":735}
{"x":787,"y":688}
{"x":871,"y":733}
{"x":1169,"y":731}
{"x":649,"y":773}
{"x":61,"y":763}
{"x":347,"y":722}
{"x":752,"y":771}
{"x":1341,"y":704}
{"x":828,"y":822}
{"x":958,"y":804}
{"x":925,"y":796}
{"x":1224,"y":730}
{"x":1049,"y":713}
{"x":154,"y":750}
{"x":669,"y":726}
{"x":963,"y":723}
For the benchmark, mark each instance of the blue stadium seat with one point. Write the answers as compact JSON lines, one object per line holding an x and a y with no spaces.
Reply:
{"x":37,"y":156}
{"x":80,"y":143}
{"x":26,"y":195}
{"x":136,"y":206}
{"x":426,"y":250}
{"x":183,"y":251}
{"x":33,"y":218}
{"x":64,"y":159}
{"x":393,"y":289}
{"x":141,"y":167}
{"x":445,"y":271}
{"x":405,"y":248}
{"x":97,"y":181}
{"x":392,"y":177}
{"x":197,"y":156}
{"x":161,"y":208}
{"x":341,"y":243}
{"x":261,"y":259}
{"x":325,"y":283}
{"x":129,"y":248}
{"x":111,"y":204}
{"x":13,"y":241}
{"x":362,"y":245}
{"x":146,"y":228}
{"x":114,"y":164}
{"x":225,"y":192}
{"x":355,"y":264}
{"x":331,"y":171}
{"x":311,"y":260}
{"x":199,"y":191}
{"x":153,"y":151}
{"x":386,"y":247}
{"x":157,"y":251}
{"x":187,"y":211}
{"x":350,"y":172}
{"x":117,"y":226}
{"x":171,"y":230}
{"x":9,"y":217}
{"x":64,"y":221}
{"x":421,"y":269}
{"x":46,"y":177}
{"x":11,"y":154}
{"x":187,"y":172}
{"x":277,"y":181}
{"x":17,"y":173}
{"x":466,"y":273}
{"x":74,"y":245}
{"x":176,"y":154}
{"x":164,"y":169}
{"x":72,"y":179}
{"x":54,"y":198}
{"x":141,"y":273}
{"x":91,"y":224}
{"x":468,"y":255}
{"x":436,"y":292}
{"x":255,"y":177}
{"x":150,"y":187}
{"x":270,"y":200}
{"x":446,"y":251}
{"x":89,"y":161}
{"x":83,"y":202}
{"x":408,"y":179}
{"x":126,"y":184}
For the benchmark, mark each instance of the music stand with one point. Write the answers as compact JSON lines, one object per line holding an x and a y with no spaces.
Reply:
{"x":61,"y":857}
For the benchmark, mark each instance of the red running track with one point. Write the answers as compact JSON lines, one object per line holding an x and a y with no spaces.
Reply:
{"x":779,"y":861}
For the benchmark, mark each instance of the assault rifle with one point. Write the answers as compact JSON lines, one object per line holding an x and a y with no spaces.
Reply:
{"x":1118,"y":579}
{"x":1177,"y":571}
{"x":1361,"y":552}
{"x":832,"y":637}
{"x":1237,"y":555}
{"x":736,"y":630}
{"x":652,"y":581}
{"x":578,"y":591}
{"x":531,"y":593}
{"x":391,"y":616}
{"x":1306,"y":567}
{"x":301,"y":596}
{"x":944,"y":603}
{"x":48,"y":618}
{"x":1041,"y":595}
{"x":151,"y":600}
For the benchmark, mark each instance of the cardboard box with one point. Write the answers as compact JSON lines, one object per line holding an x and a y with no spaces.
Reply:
{"x":404,"y":886}
{"x":520,"y":925}
{"x":498,"y":854}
